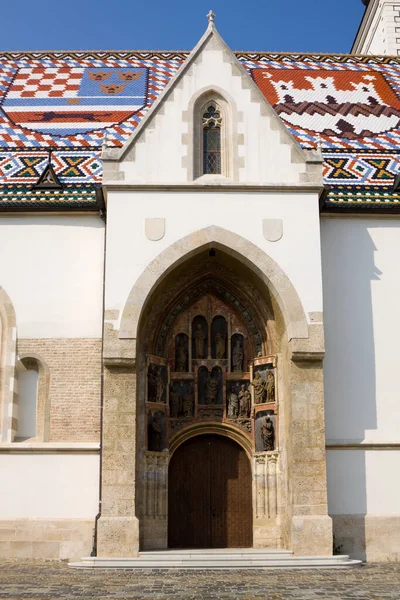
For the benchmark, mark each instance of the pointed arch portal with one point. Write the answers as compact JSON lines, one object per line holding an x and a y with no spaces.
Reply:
{"x":221,"y":349}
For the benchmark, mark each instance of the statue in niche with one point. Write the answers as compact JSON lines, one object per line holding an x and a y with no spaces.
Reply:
{"x":270,"y":386}
{"x":199,"y":341}
{"x":181,"y":355}
{"x":175,"y":402}
{"x":244,"y":402}
{"x":260,"y":388}
{"x":156,"y":385}
{"x":268,"y":434}
{"x":188,"y":403}
{"x":155,"y":433}
{"x":220,"y":343}
{"x":233,"y":406}
{"x":212,"y":389}
{"x":237,"y":357}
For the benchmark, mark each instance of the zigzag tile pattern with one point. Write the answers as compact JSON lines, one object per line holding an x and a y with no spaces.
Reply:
{"x":68,"y":101}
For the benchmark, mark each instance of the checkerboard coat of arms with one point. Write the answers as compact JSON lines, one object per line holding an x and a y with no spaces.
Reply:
{"x":73,"y":100}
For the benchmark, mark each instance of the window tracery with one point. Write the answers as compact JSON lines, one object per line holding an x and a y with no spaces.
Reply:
{"x":212,"y":123}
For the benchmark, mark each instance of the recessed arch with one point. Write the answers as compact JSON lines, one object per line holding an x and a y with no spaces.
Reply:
{"x":229,"y":135}
{"x":247,"y":253}
{"x":33,"y":361}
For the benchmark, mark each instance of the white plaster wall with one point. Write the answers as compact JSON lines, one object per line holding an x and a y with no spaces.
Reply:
{"x":363,"y":482}
{"x":361,"y":285}
{"x":49,"y":486}
{"x":129,"y":252}
{"x":52,"y":269}
{"x":265,"y":150}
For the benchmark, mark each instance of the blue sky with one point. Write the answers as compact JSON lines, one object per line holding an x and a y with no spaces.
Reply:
{"x":263,"y":25}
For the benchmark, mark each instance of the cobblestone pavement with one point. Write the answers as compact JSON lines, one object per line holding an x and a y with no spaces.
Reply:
{"x":53,"y":581}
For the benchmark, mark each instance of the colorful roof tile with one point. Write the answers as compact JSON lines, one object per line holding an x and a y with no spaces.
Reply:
{"x":66,"y":101}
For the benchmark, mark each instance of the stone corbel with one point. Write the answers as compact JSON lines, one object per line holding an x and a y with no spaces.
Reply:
{"x":120,"y":363}
{"x":119,"y":353}
{"x":311,"y":348}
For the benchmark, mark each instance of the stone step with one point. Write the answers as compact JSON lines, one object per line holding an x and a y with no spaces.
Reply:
{"x":218,"y":559}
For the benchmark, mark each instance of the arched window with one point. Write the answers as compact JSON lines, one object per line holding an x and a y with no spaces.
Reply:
{"x":33,"y":403}
{"x":212,"y":122}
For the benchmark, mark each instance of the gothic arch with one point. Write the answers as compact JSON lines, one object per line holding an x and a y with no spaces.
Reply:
{"x":207,"y":428}
{"x":8,"y":340}
{"x":232,"y":244}
{"x":230,"y":138}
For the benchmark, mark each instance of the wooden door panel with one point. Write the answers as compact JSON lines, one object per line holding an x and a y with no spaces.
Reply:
{"x":209,"y":502}
{"x":189,"y":497}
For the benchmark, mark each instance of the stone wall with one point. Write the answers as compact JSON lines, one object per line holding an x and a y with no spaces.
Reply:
{"x":46,"y":538}
{"x":75,"y":385}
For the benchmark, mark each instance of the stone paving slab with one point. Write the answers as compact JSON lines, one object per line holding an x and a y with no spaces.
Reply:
{"x":53,"y":581}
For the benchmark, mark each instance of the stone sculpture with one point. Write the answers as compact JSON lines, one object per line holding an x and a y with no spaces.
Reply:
{"x":220,"y":342}
{"x":212,"y":390}
{"x":199,"y":341}
{"x":270,"y":386}
{"x":260,"y":388}
{"x":188,"y":405}
{"x":175,"y":401}
{"x":181,"y":355}
{"x":244,"y":402}
{"x":237,"y":357}
{"x":156,"y":385}
{"x":233,"y":406}
{"x":155,"y":433}
{"x":268,"y":434}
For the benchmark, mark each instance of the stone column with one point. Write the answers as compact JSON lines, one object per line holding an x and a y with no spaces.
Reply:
{"x":118,"y":527}
{"x":311,"y":530}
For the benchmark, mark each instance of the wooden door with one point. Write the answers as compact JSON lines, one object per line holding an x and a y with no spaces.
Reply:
{"x":209,"y":495}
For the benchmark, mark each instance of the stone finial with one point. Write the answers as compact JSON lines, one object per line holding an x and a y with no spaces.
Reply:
{"x":211,"y":17}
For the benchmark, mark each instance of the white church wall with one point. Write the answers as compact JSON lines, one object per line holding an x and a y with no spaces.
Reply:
{"x":361,"y":285}
{"x":49,"y":486}
{"x":52,"y":269}
{"x":129,"y":251}
{"x":361,"y":482}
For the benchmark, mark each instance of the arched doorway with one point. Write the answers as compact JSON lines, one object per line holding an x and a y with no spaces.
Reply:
{"x":207,"y":364}
{"x":209,"y":495}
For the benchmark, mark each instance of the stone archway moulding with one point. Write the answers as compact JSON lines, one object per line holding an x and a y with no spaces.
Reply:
{"x":8,"y":342}
{"x":211,"y":428}
{"x":232,"y":244}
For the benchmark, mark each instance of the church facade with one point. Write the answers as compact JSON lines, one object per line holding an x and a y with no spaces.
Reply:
{"x":198,"y":302}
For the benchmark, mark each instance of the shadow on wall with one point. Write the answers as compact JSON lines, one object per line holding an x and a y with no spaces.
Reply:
{"x":349,"y":372}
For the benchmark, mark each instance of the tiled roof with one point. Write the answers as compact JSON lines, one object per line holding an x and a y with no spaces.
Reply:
{"x":68,"y":101}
